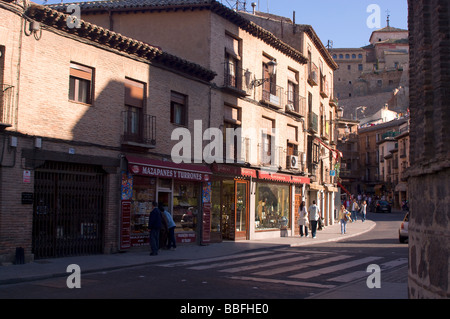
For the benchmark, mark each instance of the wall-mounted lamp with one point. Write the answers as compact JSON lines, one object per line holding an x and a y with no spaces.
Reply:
{"x":272,"y":68}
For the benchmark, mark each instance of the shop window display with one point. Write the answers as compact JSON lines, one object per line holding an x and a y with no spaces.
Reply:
{"x":144,"y":189}
{"x":186,"y":205}
{"x":273,"y":206}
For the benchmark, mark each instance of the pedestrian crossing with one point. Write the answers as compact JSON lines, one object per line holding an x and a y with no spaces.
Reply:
{"x":306,"y":268}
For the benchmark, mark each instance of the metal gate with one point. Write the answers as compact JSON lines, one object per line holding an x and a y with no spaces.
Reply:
{"x":68,"y":210}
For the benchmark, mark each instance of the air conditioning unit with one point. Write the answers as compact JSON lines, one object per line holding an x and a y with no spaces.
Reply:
{"x":293,"y":162}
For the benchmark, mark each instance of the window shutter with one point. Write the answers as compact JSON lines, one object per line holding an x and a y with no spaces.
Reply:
{"x":134,"y":93}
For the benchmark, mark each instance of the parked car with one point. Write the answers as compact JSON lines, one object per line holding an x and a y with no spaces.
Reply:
{"x":383,"y":206}
{"x":403,"y":231}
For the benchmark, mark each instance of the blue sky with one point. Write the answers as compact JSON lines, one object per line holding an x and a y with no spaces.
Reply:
{"x":344,"y":21}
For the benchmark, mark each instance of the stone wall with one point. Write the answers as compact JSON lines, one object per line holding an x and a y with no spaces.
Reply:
{"x":429,"y":175}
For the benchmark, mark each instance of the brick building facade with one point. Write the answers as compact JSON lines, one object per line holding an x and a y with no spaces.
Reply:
{"x":429,"y":175}
{"x":84,"y":100}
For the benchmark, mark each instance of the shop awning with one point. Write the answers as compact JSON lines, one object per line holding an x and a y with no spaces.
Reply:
{"x":300,"y":180}
{"x":233,"y":170}
{"x":167,"y":169}
{"x":277,"y":177}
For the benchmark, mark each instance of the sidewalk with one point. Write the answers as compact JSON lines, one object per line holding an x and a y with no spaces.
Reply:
{"x":56,"y":267}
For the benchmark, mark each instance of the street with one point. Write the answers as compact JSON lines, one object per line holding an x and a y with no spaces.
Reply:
{"x":277,"y":273}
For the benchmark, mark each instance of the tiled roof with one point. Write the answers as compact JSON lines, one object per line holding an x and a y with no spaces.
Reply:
{"x":108,"y":38}
{"x":213,"y":5}
{"x":129,"y":4}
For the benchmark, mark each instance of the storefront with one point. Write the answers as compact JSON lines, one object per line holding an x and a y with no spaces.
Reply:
{"x":184,"y":189}
{"x":230,"y":202}
{"x":276,"y":198}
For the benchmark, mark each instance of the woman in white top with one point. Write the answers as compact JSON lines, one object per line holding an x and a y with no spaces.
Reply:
{"x":303,"y":219}
{"x":364,"y":211}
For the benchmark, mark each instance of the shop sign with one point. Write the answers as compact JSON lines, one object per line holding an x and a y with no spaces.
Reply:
{"x":233,"y":170}
{"x":185,"y":237}
{"x":168,"y":173}
{"x":275,"y":177}
{"x":300,"y":180}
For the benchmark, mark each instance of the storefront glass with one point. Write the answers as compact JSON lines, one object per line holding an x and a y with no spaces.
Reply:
{"x":144,"y":190}
{"x":272,"y":206}
{"x":186,"y":207}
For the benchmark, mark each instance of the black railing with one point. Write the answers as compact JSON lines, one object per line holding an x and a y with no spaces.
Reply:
{"x":237,"y":78}
{"x":138,"y":128}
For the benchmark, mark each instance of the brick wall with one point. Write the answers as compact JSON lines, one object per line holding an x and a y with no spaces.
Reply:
{"x":91,"y":131}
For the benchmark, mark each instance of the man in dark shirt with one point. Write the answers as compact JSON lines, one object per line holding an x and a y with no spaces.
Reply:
{"x":154,"y":226}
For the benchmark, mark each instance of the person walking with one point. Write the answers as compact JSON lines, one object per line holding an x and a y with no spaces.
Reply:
{"x":171,"y":242}
{"x":303,"y":219}
{"x":164,"y":231}
{"x":364,"y":211}
{"x":314,"y":215}
{"x":344,"y":217}
{"x":154,"y":226}
{"x":354,"y":210}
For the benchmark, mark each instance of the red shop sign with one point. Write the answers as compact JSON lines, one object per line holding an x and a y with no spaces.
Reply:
{"x":274,"y":177}
{"x":155,"y":168}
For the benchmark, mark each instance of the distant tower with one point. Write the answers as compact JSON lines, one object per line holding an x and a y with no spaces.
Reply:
{"x":388,"y":18}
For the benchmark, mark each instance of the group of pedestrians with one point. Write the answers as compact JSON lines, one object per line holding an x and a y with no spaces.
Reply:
{"x":346,"y":216}
{"x":309,"y":219}
{"x":162,"y":229}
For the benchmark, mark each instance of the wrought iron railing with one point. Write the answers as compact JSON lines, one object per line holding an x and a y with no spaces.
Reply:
{"x":139,"y":128}
{"x":237,"y":79}
{"x":272,"y":94}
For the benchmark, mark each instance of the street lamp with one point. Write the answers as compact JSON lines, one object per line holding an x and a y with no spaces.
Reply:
{"x":272,"y":68}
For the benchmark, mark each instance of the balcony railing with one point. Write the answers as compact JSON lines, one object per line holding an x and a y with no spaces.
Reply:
{"x":272,"y":94}
{"x":138,"y":129}
{"x":6,"y":105}
{"x":295,"y":104}
{"x":237,"y":80}
{"x":313,"y":122}
{"x":313,"y":74}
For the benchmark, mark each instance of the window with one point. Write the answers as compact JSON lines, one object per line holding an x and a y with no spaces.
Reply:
{"x":360,"y":67}
{"x":272,"y":210}
{"x":232,"y":60}
{"x":292,"y":92}
{"x":134,"y":114}
{"x":232,"y":120}
{"x":267,"y":155}
{"x":178,"y":109}
{"x":81,"y":83}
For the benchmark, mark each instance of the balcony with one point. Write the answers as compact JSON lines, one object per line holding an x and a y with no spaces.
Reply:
{"x":139,"y":131}
{"x":313,"y":74}
{"x":236,"y":80}
{"x":313,"y":122}
{"x":295,"y":104}
{"x":272,"y":95}
{"x":6,"y":106}
{"x":324,"y":88}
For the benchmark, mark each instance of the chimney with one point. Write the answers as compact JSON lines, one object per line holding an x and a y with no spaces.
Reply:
{"x":254,"y":6}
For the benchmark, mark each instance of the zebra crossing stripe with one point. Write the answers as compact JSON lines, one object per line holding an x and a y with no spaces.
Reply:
{"x":285,"y":282}
{"x":265,"y":265}
{"x":213,"y":259}
{"x":361,"y":274}
{"x":319,"y":262}
{"x":243,"y":261}
{"x":331,"y":269}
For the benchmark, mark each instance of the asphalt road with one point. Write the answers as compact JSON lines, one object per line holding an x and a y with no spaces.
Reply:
{"x":288,"y":273}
